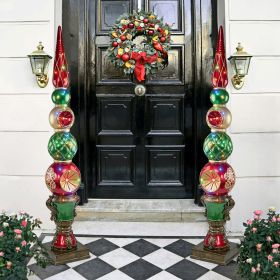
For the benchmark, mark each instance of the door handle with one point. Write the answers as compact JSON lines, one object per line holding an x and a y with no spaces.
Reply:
{"x":140,"y":90}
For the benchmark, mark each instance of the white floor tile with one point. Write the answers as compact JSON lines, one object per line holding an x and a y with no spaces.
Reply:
{"x":202,"y":263}
{"x":32,"y":261}
{"x":65,"y":275}
{"x":47,"y":238}
{"x":161,"y":242}
{"x":164,"y":276}
{"x":115,"y":275}
{"x":73,"y":264}
{"x":162,"y":258}
{"x":194,"y":241}
{"x":86,"y":240}
{"x":119,"y":258}
{"x":211,"y":275}
{"x":121,"y":242}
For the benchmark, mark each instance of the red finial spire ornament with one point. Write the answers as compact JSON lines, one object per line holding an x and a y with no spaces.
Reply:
{"x":219,"y":75}
{"x":60,"y":68}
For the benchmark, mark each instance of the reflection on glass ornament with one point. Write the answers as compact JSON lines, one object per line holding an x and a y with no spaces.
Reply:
{"x":61,"y":117}
{"x":61,"y":96}
{"x":217,"y":146}
{"x":219,"y":96}
{"x":218,"y":117}
{"x":63,"y":178}
{"x":62,"y":146}
{"x":217,"y":178}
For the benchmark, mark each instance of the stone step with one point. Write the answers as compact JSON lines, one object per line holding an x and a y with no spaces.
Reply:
{"x":141,"y":210}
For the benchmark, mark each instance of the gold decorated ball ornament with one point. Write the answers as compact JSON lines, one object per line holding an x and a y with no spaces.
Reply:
{"x":61,"y":117}
{"x":217,"y":178}
{"x":218,"y":118}
{"x":63,"y":178}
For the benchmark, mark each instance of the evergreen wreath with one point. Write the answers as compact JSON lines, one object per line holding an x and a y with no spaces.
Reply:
{"x":144,"y":57}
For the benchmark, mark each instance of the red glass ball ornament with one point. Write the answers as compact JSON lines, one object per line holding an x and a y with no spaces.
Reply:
{"x":159,"y":29}
{"x":123,"y":37}
{"x":65,"y":118}
{"x":162,"y":39}
{"x":150,"y":32}
{"x":115,"y":44}
{"x":152,"y":24}
{"x":217,"y":178}
{"x":130,"y":25}
{"x":145,"y":20}
{"x":125,"y":57}
{"x":63,"y":178}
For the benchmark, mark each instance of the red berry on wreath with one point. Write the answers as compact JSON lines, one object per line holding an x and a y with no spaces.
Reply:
{"x":145,"y":20}
{"x":159,"y":29}
{"x":150,"y":32}
{"x":115,"y":44}
{"x":162,"y":39}
{"x":123,"y":37}
{"x":152,"y":24}
{"x":130,"y":25}
{"x":125,"y":57}
{"x":139,"y":29}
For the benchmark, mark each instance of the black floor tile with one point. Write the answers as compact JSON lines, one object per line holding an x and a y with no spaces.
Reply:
{"x":49,"y":271}
{"x":187,"y":270}
{"x":180,"y":247}
{"x":141,"y":247}
{"x":229,"y":270}
{"x":94,"y":269}
{"x":101,"y":247}
{"x":140,"y":270}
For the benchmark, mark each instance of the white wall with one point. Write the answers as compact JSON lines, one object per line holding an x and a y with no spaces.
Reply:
{"x":255,"y":129}
{"x":24,"y":107}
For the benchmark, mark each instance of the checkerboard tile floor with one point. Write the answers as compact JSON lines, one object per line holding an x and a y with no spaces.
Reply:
{"x":138,"y":258}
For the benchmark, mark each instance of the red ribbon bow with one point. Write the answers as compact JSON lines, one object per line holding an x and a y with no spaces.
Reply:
{"x":141,"y":59}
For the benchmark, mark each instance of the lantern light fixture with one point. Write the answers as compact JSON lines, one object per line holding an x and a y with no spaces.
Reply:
{"x":240,"y":62}
{"x":39,"y":60}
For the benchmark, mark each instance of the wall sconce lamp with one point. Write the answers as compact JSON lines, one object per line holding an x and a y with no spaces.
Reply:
{"x":39,"y":60}
{"x":240,"y":62}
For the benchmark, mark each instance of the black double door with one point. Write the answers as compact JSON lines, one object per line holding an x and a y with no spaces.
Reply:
{"x":134,"y":146}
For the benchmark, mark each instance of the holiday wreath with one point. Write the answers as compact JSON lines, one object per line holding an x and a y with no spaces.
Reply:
{"x":139,"y":44}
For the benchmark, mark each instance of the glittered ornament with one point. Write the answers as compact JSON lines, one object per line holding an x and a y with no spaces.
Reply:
{"x":63,"y":178}
{"x":61,"y":96}
{"x":217,"y":178}
{"x":61,"y":117}
{"x":219,"y":96}
{"x":217,"y":146}
{"x":218,"y":117}
{"x":60,"y":68}
{"x":62,"y":146}
{"x":219,"y":74}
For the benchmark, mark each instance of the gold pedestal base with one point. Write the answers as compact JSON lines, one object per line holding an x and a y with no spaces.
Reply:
{"x":58,"y":258}
{"x":222,"y":258}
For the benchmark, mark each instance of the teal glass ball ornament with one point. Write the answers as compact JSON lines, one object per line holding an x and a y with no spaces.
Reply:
{"x":219,"y":96}
{"x":61,"y":96}
{"x":62,"y":146}
{"x":217,"y":146}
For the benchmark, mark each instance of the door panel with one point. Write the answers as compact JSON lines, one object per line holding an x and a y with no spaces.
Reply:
{"x":170,"y":10}
{"x":108,"y":11}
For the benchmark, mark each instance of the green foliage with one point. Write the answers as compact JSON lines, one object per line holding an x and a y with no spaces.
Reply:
{"x":18,"y":243}
{"x":259,"y":257}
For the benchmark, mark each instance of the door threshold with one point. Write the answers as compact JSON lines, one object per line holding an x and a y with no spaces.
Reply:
{"x":141,"y":210}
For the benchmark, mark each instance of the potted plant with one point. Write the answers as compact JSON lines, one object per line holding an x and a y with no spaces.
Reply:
{"x":259,"y":251}
{"x":18,"y":243}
